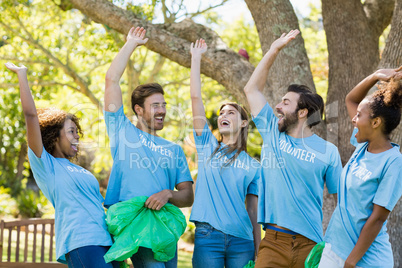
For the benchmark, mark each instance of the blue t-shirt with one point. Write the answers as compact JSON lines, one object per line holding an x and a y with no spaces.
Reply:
{"x":367,"y":179}
{"x":74,"y":194}
{"x":294,"y":172}
{"x":143,"y":164}
{"x":221,"y":190}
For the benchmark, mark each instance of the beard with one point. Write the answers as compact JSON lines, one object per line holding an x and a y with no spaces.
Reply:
{"x":151,"y":123}
{"x":288,"y":122}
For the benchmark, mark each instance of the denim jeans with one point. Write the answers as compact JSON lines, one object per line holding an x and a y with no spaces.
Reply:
{"x":144,"y":258}
{"x":89,"y":257}
{"x":215,"y":249}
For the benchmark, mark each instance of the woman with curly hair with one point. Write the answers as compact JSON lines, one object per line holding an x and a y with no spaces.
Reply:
{"x":227,"y":233}
{"x":371,"y":182}
{"x":81,"y":233}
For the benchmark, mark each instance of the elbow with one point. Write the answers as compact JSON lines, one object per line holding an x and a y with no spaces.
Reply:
{"x":29,"y":115}
{"x":190,"y":200}
{"x":111,"y":78}
{"x":381,"y":220}
{"x":248,"y":89}
{"x":195,"y":98}
{"x":347,"y":98}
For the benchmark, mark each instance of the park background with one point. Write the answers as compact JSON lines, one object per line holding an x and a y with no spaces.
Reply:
{"x":68,"y":46}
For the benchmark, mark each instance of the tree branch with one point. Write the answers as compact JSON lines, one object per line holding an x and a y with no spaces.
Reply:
{"x":81,"y":83}
{"x":12,"y":59}
{"x":173,"y":42}
{"x":157,"y":67}
{"x":198,"y":12}
{"x":42,"y":84}
{"x":379,"y":14}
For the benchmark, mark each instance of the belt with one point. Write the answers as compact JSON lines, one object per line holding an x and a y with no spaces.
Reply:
{"x":267,"y":226}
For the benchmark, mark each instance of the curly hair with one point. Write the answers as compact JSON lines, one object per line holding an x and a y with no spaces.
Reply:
{"x":51,"y":122}
{"x":387,"y":103}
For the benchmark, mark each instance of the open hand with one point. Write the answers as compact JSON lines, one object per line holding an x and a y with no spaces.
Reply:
{"x":137,"y":35}
{"x":282,"y":41}
{"x":387,"y":74}
{"x":199,"y":48}
{"x":15,"y":68}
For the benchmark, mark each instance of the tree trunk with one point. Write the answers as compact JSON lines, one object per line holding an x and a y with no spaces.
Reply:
{"x":219,"y":62}
{"x":353,"y":55}
{"x":272,"y":18}
{"x":352,"y":31}
{"x":392,"y":58}
{"x":173,"y":42}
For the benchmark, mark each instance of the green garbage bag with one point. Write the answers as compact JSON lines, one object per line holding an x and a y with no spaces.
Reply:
{"x":132,"y":226}
{"x":314,"y":257}
{"x":250,"y":264}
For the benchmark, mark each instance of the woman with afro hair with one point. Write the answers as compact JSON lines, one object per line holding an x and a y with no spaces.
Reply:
{"x":371,"y":182}
{"x":81,"y":233}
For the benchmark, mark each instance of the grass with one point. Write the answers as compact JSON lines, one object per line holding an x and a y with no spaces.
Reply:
{"x":184,"y":258}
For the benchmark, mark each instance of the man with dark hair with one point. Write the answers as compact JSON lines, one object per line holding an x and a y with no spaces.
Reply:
{"x":144,"y":164}
{"x":296,"y":163}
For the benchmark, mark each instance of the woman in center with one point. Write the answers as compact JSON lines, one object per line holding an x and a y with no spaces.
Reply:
{"x":225,"y":205}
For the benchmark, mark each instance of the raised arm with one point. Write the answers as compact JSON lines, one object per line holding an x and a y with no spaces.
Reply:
{"x":357,"y":94}
{"x":113,"y":98}
{"x":28,"y":107}
{"x":199,"y":118}
{"x":255,"y":85}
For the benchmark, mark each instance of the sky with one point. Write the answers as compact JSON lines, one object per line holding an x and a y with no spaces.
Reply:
{"x":235,"y":8}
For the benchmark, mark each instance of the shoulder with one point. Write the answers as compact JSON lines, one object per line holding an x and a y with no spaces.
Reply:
{"x":395,"y":157}
{"x":328,"y":145}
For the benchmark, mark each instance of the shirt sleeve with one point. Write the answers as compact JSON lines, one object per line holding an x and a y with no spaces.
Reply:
{"x":333,"y":173}
{"x":390,"y":187}
{"x":353,"y":140}
{"x":253,"y":186}
{"x":43,"y":170}
{"x":183,"y":173}
{"x":266,"y":121}
{"x":205,"y":138}
{"x":115,"y":121}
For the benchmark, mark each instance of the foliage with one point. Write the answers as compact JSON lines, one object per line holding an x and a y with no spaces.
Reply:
{"x":242,"y":34}
{"x":189,"y":233}
{"x":31,"y":204}
{"x":8,"y":206}
{"x":57,"y":47}
{"x":316,"y":46}
{"x":53,"y":45}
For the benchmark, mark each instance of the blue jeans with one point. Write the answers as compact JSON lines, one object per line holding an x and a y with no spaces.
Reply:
{"x":144,"y":258}
{"x":214,"y":249}
{"x":89,"y":257}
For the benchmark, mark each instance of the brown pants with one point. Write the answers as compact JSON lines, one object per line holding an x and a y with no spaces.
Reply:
{"x":279,"y":249}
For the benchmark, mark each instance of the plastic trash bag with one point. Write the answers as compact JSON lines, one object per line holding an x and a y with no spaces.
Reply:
{"x":132,"y":226}
{"x":314,"y":257}
{"x":250,"y":264}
